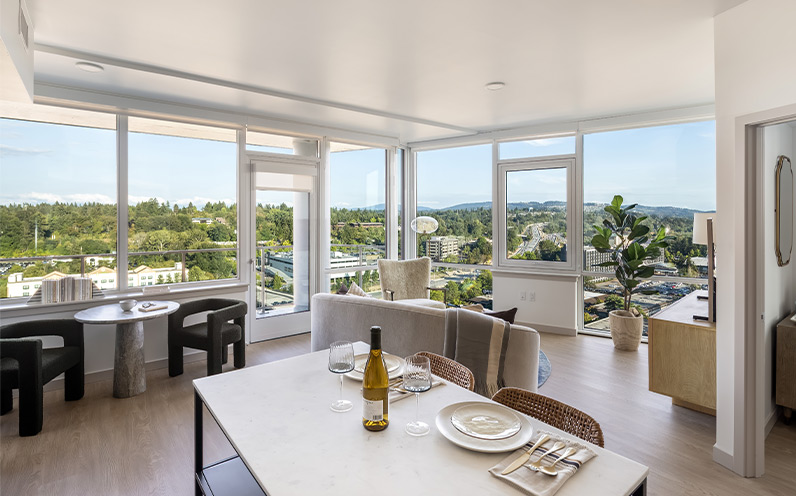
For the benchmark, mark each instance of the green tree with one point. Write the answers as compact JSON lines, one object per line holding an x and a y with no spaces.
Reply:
{"x":548,"y":250}
{"x":277,"y":282}
{"x":613,"y":302}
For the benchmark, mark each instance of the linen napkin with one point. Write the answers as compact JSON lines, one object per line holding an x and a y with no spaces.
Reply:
{"x":537,"y":483}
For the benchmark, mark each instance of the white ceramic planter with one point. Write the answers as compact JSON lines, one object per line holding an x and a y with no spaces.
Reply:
{"x":626,"y":329}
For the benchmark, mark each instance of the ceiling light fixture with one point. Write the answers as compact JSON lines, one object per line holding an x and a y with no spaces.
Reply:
{"x":89,"y":67}
{"x":495,"y":86}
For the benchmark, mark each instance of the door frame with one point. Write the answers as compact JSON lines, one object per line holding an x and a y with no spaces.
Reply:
{"x":293,"y":323}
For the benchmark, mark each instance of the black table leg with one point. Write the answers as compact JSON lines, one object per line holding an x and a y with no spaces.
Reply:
{"x":197,"y":439}
{"x":640,"y":490}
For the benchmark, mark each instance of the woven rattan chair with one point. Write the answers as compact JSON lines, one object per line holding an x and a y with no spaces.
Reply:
{"x":553,"y":412}
{"x":450,"y":370}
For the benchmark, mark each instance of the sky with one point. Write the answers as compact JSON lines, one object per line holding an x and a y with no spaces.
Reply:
{"x":658,"y":166}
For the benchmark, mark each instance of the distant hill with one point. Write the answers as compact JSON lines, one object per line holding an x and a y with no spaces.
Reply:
{"x":650,"y":210}
{"x":666,"y":211}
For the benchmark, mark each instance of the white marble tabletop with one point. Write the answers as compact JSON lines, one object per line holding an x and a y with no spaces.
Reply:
{"x":113,"y":313}
{"x":277,"y":417}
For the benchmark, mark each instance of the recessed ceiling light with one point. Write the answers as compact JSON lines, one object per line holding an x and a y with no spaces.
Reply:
{"x":89,"y":67}
{"x":496,"y":85}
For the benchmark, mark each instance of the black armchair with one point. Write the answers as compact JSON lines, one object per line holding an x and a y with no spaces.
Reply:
{"x":26,"y":366}
{"x":212,"y":336}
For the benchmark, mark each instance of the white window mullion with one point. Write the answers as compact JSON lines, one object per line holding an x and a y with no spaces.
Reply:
{"x":122,"y":211}
{"x":391,"y":201}
{"x":410,"y":203}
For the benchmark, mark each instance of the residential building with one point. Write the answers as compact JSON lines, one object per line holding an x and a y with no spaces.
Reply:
{"x":441,"y":247}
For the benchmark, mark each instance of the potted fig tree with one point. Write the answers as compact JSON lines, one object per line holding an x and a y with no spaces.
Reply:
{"x":631,"y":246}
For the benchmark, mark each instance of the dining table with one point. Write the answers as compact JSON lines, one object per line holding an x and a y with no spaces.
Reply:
{"x":287,"y":441}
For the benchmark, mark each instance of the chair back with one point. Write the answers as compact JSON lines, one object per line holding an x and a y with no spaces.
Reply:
{"x":450,"y":370}
{"x":406,"y":279}
{"x":553,"y":412}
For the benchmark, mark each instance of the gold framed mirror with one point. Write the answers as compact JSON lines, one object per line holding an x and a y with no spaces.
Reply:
{"x":783,"y":222}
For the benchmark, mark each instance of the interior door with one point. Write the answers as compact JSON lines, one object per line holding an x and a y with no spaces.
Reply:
{"x":282,"y":278}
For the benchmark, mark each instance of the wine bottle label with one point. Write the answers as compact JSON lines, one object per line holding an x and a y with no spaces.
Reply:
{"x":372,"y":411}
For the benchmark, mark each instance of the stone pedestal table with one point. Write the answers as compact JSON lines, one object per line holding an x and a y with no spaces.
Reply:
{"x":129,"y":375}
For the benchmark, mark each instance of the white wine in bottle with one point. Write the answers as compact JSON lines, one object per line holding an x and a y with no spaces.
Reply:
{"x":375,"y":387}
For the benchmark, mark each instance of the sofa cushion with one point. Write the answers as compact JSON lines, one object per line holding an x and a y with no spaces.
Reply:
{"x":507,"y":315}
{"x":355,"y":290}
{"x":480,"y":343}
{"x":424,"y":302}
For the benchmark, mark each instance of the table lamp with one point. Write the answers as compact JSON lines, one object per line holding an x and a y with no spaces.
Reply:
{"x":703,"y":235}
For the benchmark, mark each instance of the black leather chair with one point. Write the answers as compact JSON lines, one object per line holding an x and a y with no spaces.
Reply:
{"x":212,"y":336}
{"x":26,"y":366}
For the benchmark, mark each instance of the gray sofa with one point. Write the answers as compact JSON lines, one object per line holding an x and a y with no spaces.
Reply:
{"x":409,"y":328}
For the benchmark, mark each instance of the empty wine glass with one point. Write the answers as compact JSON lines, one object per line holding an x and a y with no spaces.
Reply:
{"x":417,"y":378}
{"x":341,"y":361}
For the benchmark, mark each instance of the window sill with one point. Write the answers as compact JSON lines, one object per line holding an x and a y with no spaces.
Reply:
{"x":23,"y":309}
{"x":569,"y":274}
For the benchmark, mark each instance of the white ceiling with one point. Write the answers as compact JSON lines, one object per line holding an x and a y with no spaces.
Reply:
{"x":415,"y":69}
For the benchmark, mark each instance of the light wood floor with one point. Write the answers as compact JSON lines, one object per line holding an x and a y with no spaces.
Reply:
{"x":144,"y":445}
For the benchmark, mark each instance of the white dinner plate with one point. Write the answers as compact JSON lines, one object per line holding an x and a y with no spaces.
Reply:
{"x":446,"y":428}
{"x":394,"y":364}
{"x":486,"y":423}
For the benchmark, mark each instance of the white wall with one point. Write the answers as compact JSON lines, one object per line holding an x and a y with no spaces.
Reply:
{"x":99,"y":340}
{"x":780,"y":282}
{"x":755,"y":71}
{"x":555,"y":306}
{"x":16,"y":61}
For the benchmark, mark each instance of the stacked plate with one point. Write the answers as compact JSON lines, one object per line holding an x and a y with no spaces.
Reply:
{"x":394,"y":364}
{"x":485,"y":427}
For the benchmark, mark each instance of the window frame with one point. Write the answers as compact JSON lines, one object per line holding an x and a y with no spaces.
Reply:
{"x":123,"y":273}
{"x":566,"y":162}
{"x":621,"y":125}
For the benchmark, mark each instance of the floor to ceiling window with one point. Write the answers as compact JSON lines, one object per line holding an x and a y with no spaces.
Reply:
{"x":669,"y":171}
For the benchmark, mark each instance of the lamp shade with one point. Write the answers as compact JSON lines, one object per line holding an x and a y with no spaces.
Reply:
{"x":700,"y":236}
{"x":425,"y":225}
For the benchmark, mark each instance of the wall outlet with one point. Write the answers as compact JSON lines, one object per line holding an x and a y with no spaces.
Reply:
{"x":532,"y":296}
{"x":523,"y":295}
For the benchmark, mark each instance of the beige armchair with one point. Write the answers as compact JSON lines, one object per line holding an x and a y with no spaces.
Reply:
{"x":407,"y":279}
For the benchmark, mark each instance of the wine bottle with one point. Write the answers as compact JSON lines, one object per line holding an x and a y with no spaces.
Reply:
{"x":375,"y":387}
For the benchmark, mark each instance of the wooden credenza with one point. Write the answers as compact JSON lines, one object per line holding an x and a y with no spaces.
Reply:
{"x":786,"y":366}
{"x":682,"y":354}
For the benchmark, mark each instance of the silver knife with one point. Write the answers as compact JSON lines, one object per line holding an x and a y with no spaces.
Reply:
{"x":520,"y":461}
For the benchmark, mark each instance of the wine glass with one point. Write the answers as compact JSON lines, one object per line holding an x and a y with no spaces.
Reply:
{"x":341,"y":361}
{"x":417,"y":378}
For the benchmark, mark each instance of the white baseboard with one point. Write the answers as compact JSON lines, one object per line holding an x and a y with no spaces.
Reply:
{"x":723,"y":458}
{"x":771,"y":420}
{"x":564,"y":331}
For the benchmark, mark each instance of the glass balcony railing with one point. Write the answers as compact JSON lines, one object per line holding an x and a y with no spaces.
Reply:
{"x":20,"y":277}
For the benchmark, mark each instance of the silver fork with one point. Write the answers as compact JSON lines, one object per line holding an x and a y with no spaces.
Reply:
{"x":548,"y":470}
{"x":537,"y":465}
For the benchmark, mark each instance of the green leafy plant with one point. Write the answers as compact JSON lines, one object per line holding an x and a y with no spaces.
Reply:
{"x":630,"y":245}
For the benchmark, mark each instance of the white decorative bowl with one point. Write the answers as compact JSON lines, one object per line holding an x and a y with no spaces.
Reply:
{"x":127,"y":305}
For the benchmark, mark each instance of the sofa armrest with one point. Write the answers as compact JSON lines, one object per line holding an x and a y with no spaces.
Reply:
{"x":522,"y":358}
